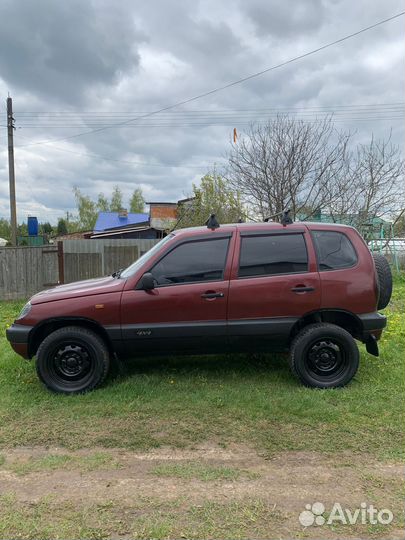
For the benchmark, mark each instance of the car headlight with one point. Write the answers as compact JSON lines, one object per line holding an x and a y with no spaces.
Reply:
{"x":25,"y":310}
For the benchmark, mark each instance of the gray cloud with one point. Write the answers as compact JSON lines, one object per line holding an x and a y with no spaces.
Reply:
{"x":58,"y":50}
{"x":287,"y":19}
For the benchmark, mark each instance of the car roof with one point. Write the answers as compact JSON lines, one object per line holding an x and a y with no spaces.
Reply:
{"x":260,"y":226}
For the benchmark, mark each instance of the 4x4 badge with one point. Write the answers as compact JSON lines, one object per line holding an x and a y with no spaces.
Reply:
{"x":143,"y":332}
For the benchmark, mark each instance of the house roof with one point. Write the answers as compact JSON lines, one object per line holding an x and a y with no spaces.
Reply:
{"x":79,"y":235}
{"x":126,"y":230}
{"x":111,"y":220}
{"x":186,"y":200}
{"x":162,"y":203}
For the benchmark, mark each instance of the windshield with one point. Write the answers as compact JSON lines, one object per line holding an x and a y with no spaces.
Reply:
{"x":130,"y":271}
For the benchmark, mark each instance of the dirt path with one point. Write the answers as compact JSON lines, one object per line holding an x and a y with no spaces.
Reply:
{"x":206,"y":492}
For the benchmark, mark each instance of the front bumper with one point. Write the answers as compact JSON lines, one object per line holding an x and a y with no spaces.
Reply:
{"x":18,"y":336}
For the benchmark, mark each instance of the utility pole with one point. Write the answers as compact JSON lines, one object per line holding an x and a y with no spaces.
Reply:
{"x":11,"y":173}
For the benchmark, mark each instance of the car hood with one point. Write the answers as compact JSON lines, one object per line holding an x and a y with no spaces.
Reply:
{"x":79,"y":288}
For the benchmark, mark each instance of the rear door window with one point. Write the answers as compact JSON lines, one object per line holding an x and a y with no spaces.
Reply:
{"x":334,"y":250}
{"x":272,"y":255}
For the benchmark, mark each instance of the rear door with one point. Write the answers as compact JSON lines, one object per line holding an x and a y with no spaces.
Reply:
{"x":346,"y":274}
{"x":274,"y":282}
{"x":186,"y":311}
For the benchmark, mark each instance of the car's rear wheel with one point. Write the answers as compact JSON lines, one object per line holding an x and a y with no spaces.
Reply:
{"x":324,"y":356}
{"x":72,"y":360}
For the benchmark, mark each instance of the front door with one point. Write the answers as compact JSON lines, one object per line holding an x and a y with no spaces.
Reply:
{"x":186,"y":311}
{"x":274,"y":282}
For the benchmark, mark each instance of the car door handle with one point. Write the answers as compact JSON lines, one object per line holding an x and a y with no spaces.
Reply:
{"x":302,"y":288}
{"x":212,"y":295}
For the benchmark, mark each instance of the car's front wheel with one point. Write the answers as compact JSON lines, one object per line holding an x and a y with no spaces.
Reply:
{"x":72,"y":360}
{"x":324,"y":356}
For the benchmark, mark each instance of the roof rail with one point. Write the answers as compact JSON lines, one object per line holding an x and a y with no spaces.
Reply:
{"x":285,"y":217}
{"x":212,"y":222}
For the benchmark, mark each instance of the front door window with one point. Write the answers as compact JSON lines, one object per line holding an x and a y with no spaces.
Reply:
{"x":192,"y":262}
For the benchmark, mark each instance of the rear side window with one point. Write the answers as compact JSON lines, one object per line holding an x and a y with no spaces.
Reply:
{"x":273,"y":254}
{"x":193,"y":262}
{"x":334,"y":250}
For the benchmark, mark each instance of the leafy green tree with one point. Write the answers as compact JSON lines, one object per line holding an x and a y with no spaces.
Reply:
{"x":212,"y":196}
{"x":46,"y":228}
{"x":137,"y":202}
{"x":5,"y":229}
{"x":87,"y":210}
{"x":116,"y":200}
{"x":61,"y":228}
{"x":102,"y":203}
{"x":22,"y":229}
{"x":73,"y":226}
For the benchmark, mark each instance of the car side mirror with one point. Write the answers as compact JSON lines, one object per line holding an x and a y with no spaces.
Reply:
{"x":148,"y":282}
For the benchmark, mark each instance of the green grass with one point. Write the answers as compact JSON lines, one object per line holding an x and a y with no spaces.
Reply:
{"x":156,"y":519}
{"x":237,"y":398}
{"x":148,"y":518}
{"x":201,"y":471}
{"x":52,"y":462}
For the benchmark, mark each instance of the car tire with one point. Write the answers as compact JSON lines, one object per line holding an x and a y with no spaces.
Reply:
{"x":384,"y":278}
{"x":324,"y":355}
{"x":72,"y":360}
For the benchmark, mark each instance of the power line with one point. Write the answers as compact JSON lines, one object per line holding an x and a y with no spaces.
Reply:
{"x":110,"y":122}
{"x":234,"y":83}
{"x":227,"y":125}
{"x":222,"y":114}
{"x":226,"y":118}
{"x":225,"y":122}
{"x":107,"y":114}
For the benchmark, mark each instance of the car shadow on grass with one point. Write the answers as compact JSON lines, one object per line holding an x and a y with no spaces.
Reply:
{"x":209,"y":366}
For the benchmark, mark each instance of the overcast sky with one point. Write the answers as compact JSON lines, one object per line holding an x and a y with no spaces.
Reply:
{"x":96,"y":63}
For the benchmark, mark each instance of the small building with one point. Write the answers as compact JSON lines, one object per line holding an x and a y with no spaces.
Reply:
{"x":78,"y":235}
{"x":162,"y":217}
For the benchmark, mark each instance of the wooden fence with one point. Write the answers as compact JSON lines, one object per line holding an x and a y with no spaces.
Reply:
{"x":27,"y":270}
{"x":85,"y":259}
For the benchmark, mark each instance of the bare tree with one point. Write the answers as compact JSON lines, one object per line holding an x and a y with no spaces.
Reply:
{"x":378,"y":172}
{"x":374,"y":172}
{"x":289,"y":163}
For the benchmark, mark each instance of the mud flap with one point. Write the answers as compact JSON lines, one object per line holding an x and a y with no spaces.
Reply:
{"x":372,"y":346}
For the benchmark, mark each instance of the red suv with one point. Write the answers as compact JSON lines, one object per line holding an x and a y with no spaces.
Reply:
{"x":309,"y":288}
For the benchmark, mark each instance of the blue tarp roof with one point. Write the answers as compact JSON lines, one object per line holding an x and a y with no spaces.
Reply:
{"x":111,"y":220}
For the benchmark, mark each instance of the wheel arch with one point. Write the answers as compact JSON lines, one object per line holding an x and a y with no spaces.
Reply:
{"x":345,"y":319}
{"x":46,"y":327}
